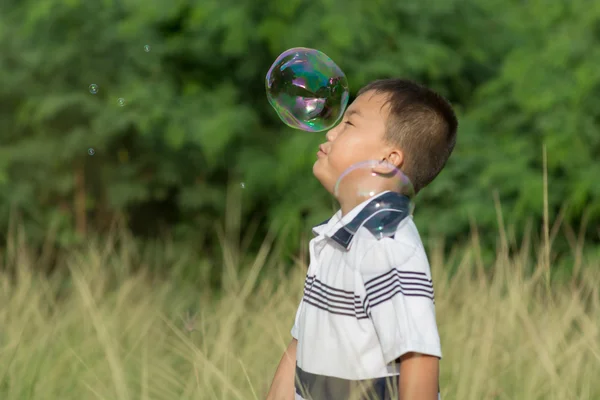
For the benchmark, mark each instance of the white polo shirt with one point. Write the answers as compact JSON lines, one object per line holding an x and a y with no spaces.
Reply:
{"x":367,"y":301}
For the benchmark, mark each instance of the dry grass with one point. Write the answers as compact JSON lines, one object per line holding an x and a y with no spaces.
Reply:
{"x":106,"y":334}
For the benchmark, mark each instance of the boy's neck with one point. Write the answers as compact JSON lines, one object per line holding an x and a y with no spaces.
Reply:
{"x":347,"y":205}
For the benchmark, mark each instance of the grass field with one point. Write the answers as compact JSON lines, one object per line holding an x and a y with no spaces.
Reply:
{"x":101,"y":332}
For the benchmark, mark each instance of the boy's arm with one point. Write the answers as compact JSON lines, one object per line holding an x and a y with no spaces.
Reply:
{"x":419,"y":374}
{"x":283,"y":387}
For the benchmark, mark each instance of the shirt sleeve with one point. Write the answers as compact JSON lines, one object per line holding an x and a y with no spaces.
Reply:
{"x":399,"y":299}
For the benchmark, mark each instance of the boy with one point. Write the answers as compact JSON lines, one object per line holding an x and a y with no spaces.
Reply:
{"x":367,"y":317}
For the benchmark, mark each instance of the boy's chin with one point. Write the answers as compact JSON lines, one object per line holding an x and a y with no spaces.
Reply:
{"x":322,"y":178}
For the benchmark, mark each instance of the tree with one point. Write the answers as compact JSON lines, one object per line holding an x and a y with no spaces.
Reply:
{"x":195,"y":119}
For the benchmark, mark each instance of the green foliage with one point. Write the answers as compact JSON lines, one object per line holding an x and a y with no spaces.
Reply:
{"x":523,"y":75}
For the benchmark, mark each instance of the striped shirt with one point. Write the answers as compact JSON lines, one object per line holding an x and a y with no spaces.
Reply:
{"x":367,"y":301}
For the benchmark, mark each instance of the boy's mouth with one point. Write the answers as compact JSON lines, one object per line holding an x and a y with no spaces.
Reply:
{"x":321,"y":151}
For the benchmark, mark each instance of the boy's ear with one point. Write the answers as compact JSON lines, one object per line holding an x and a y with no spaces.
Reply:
{"x":396,"y":157}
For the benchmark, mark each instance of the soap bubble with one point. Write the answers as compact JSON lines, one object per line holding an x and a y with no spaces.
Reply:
{"x":91,"y":151}
{"x":93,"y":88}
{"x":369,"y":180}
{"x":147,"y":48}
{"x":243,"y":185}
{"x":121,"y":101}
{"x":307,"y":89}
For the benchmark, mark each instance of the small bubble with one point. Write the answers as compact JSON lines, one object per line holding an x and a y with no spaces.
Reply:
{"x":121,"y":101}
{"x":91,"y":151}
{"x":189,"y":322}
{"x":147,"y":48}
{"x":93,"y":88}
{"x":243,"y":185}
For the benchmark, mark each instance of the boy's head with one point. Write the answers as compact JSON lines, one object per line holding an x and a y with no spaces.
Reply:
{"x":393,"y":120}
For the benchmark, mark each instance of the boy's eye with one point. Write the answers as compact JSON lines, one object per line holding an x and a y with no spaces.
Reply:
{"x":348,"y":123}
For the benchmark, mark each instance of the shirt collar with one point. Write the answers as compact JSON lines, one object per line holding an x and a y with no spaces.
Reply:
{"x":385,"y":208}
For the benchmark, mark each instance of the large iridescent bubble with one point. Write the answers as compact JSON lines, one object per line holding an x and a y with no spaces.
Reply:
{"x":307,"y":89}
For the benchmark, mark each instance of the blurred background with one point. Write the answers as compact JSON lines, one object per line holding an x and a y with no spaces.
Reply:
{"x":195,"y":144}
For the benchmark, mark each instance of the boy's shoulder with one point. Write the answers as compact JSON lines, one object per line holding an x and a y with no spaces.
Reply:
{"x":403,"y":250}
{"x":404,"y":240}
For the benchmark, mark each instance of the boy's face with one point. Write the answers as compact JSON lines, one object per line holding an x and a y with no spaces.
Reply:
{"x":359,"y":137}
